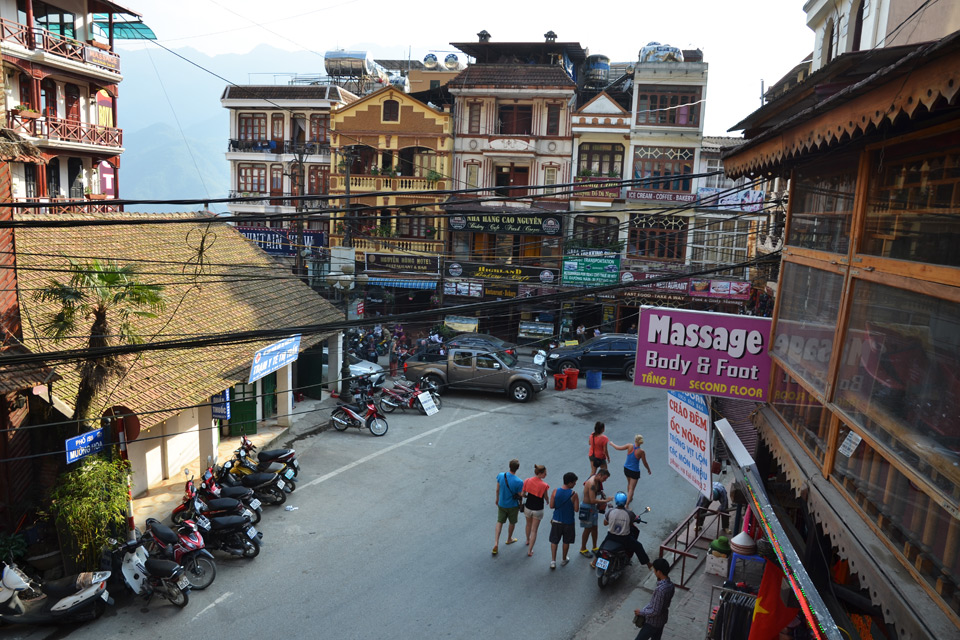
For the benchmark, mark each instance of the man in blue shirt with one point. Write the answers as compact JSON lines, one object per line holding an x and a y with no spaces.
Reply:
{"x":509,"y":488}
{"x":657,"y":611}
{"x":719,"y":495}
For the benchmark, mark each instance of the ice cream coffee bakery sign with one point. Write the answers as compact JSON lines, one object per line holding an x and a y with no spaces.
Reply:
{"x":530,"y":225}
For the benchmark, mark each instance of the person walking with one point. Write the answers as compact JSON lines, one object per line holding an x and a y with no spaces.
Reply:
{"x":581,"y":333}
{"x":590,"y":508}
{"x":631,"y":466}
{"x":534,"y":492}
{"x":598,"y":454}
{"x":394,"y":355}
{"x":656,"y":612}
{"x":509,"y":487}
{"x":565,"y":503}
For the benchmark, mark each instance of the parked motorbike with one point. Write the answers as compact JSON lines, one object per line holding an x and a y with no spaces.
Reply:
{"x":405,"y":396}
{"x":362,"y":414}
{"x":244,"y":464}
{"x":76,"y":598}
{"x":271,"y":457}
{"x":184,"y":546}
{"x":268,"y":487}
{"x":210,"y":489}
{"x":613,"y":558}
{"x":145,"y":576}
{"x":212,"y":507}
{"x":233,"y":534}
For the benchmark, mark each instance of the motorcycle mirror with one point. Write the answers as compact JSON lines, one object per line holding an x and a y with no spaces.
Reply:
{"x":646,"y":510}
{"x":186,"y":471}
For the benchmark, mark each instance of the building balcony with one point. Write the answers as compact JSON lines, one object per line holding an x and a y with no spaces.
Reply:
{"x":373,"y":183}
{"x":278,"y":147}
{"x":594,"y":191}
{"x":61,"y":130}
{"x":67,"y":205}
{"x":38,"y":39}
{"x":278,"y":199}
{"x":391,"y":245}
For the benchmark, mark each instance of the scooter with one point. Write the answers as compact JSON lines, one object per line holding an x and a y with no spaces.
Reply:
{"x":268,"y":487}
{"x":355,"y":415}
{"x":613,"y":558}
{"x":213,"y":507}
{"x":271,"y":457}
{"x":233,"y":534}
{"x":145,"y":576}
{"x":77,"y":598}
{"x":184,"y":546}
{"x":209,"y":489}
{"x":245,"y":464}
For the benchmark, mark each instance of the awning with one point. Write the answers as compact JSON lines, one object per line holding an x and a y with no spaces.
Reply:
{"x":403,"y":284}
{"x":133,"y":30}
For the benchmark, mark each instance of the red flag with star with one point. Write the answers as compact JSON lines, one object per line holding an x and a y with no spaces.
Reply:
{"x":770,"y":615}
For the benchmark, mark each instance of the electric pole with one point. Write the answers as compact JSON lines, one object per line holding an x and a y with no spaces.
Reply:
{"x":347,"y":159}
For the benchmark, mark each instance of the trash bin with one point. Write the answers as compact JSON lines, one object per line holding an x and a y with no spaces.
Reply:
{"x":572,"y":375}
{"x":559,"y":381}
{"x":593,"y":379}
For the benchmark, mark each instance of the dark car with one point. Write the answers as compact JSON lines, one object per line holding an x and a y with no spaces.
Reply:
{"x":481,"y":341}
{"x":610,"y":353}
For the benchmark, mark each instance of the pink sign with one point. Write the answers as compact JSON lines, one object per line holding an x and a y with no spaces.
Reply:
{"x":717,"y":354}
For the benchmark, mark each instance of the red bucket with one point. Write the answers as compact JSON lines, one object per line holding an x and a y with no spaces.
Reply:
{"x":559,"y":381}
{"x":572,"y":376}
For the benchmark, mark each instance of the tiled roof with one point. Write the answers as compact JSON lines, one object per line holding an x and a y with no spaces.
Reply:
{"x":22,"y":376}
{"x":512,"y":75}
{"x":239,"y":288}
{"x":282,"y":92}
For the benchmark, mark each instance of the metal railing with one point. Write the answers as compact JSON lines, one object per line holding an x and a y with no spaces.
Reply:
{"x":278,"y":146}
{"x":681,"y":548}
{"x":50,"y":42}
{"x":64,"y":130}
{"x":66,"y":205}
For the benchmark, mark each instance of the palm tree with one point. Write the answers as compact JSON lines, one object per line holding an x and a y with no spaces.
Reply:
{"x":113,"y":297}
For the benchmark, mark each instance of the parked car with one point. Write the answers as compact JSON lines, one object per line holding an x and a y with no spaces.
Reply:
{"x":476,"y":369}
{"x":610,"y":353}
{"x":359,"y":367}
{"x":481,"y":341}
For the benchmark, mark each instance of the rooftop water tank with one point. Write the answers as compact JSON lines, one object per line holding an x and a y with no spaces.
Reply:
{"x":401,"y":82}
{"x":348,"y":63}
{"x":452,"y":62}
{"x":656,"y":52}
{"x":430,"y":61}
{"x":598,"y":70}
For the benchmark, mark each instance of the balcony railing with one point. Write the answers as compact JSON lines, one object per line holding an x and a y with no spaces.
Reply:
{"x":58,"y":45}
{"x":278,"y":146}
{"x":365,"y":183}
{"x":594,"y":191}
{"x":64,"y":130}
{"x":276,"y":199}
{"x":66,"y":205}
{"x":399,"y":245}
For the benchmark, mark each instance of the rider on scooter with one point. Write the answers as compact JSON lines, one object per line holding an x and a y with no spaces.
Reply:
{"x":620,"y":522}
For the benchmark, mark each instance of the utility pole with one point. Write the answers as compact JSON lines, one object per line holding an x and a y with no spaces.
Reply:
{"x":347,"y":242}
{"x":298,"y":268}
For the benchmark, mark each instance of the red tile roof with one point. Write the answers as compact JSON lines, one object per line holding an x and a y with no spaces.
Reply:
{"x":513,"y":75}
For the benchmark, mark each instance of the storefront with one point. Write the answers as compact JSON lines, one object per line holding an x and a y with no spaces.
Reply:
{"x":400,"y":283}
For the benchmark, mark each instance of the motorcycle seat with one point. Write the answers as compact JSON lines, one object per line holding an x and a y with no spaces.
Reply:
{"x":60,"y":588}
{"x":264,"y":456}
{"x":611,"y":546}
{"x":257,"y":479}
{"x":222,"y":504}
{"x":227,"y":522}
{"x":162,"y":532}
{"x":353,"y":407}
{"x":235,"y":492}
{"x":160,"y":568}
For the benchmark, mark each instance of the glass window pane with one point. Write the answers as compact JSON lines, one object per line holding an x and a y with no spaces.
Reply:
{"x":900,"y":378}
{"x":801,"y":412}
{"x":821,"y":205}
{"x":809,"y":305}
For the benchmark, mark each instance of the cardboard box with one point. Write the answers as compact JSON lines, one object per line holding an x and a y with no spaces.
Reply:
{"x":718,"y":564}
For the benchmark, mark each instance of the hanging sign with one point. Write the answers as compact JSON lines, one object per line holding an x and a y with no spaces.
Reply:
{"x":84,"y":445}
{"x":688,"y":443}
{"x":220,"y":405}
{"x":274,"y":357}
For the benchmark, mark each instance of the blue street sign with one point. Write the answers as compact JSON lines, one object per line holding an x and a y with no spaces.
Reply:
{"x":220,"y":404}
{"x":84,"y":445}
{"x":274,"y":357}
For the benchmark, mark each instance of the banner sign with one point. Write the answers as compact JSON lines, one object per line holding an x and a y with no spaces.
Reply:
{"x":688,"y":441}
{"x":746,"y":200}
{"x":220,"y":405}
{"x":464,"y":288}
{"x":717,"y":354}
{"x":660,"y":196}
{"x":274,"y":357}
{"x":731,"y":289}
{"x":462,"y":323}
{"x":283,"y":242}
{"x":591,"y":270}
{"x":531,"y":224}
{"x":512,"y":272}
{"x":682,"y":286}
{"x":402,"y":262}
{"x":84,"y":445}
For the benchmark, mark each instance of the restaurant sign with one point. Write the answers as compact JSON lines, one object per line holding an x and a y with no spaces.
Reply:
{"x":529,"y":224}
{"x":402,"y":262}
{"x":283,"y":242}
{"x":511,"y":272}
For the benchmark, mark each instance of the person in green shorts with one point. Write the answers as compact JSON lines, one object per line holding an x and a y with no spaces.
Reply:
{"x":509,"y":488}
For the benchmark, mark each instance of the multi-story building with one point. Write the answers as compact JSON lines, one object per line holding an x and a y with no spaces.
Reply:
{"x":865,"y":418}
{"x":512,"y":123}
{"x":279,"y":151}
{"x":61,"y":76}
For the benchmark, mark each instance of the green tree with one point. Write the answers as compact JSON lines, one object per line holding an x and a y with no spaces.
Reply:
{"x":110,"y":297}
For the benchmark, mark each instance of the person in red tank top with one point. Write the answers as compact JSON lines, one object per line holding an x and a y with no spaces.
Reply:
{"x":598,"y":454}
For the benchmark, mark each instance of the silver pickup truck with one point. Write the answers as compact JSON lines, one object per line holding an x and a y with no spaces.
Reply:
{"x":477,"y":369}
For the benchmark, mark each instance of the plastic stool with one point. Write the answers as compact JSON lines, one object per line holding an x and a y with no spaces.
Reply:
{"x":745,"y":559}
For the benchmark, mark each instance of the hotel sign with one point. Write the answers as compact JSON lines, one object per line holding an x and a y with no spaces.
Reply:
{"x":402,"y":262}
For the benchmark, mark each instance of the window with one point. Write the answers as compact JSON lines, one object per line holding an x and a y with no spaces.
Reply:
{"x":486,"y":362}
{"x":670,"y":164}
{"x":473,"y":125}
{"x":71,"y":98}
{"x":48,"y":17}
{"x":549,"y":177}
{"x":601,"y":159}
{"x":473,"y":176}
{"x":318,"y":179}
{"x":657,"y":237}
{"x":857,"y":27}
{"x":553,"y":119}
{"x":670,"y":106}
{"x":391,"y":111}
{"x":48,"y":98}
{"x":719,"y":241}
{"x":828,"y":43}
{"x":821,"y":206}
{"x":463,"y":358}
{"x":276,"y":183}
{"x":416,"y":225}
{"x":424,"y":162}
{"x":515,"y":120}
{"x":276,"y":131}
{"x":252,"y":126}
{"x":29,"y":180}
{"x":596,"y":231}
{"x":801,"y":411}
{"x":252,"y":178}
{"x":509,"y":175}
{"x":434,"y":84}
{"x":320,"y":127}
{"x":719,"y":181}
{"x":53,"y":178}
{"x":25,"y":82}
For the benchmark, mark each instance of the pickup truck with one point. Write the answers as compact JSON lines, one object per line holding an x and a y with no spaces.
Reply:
{"x":476,"y":369}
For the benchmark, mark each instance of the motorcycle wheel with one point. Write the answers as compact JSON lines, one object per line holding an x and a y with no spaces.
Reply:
{"x":602,"y":578}
{"x":289,"y":486}
{"x":341,"y":415}
{"x":377,"y":426}
{"x":176,"y":596}
{"x":200,"y":571}
{"x":272,"y":496}
{"x":257,"y":515}
{"x":436,"y":399}
{"x":386,"y":405}
{"x":250,"y":549}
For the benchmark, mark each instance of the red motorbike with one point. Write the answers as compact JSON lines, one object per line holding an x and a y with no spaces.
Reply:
{"x":185,"y":547}
{"x":213,"y":507}
{"x":363,"y":413}
{"x":211,"y":489}
{"x":406,"y":396}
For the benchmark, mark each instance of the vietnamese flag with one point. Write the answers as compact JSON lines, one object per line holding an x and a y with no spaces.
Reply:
{"x":770,"y":615}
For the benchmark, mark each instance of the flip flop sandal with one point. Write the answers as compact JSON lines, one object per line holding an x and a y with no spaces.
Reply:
{"x":494,"y":552}
{"x":511,"y":540}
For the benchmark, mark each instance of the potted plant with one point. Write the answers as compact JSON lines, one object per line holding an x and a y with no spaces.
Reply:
{"x":585,"y":173}
{"x":94,"y":196}
{"x":430,"y":233}
{"x":374,"y":171}
{"x":433,"y":176}
{"x":26,"y":111}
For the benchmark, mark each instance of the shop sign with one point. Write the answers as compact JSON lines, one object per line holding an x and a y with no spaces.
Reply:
{"x":499,"y":290}
{"x":528,"y":224}
{"x":688,"y":439}
{"x":531,"y":290}
{"x":591,"y":270}
{"x":730,"y":289}
{"x":745,"y":200}
{"x":717,"y":354}
{"x":402,"y":262}
{"x":220,"y":405}
{"x":535,"y":330}
{"x":660,"y":196}
{"x":105,"y":59}
{"x":462,"y":323}
{"x":274,"y":357}
{"x":465,"y":288}
{"x":511,"y":272}
{"x":283,"y":242}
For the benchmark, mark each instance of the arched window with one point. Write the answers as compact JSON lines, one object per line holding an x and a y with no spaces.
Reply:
{"x":391,"y":111}
{"x":857,"y":28}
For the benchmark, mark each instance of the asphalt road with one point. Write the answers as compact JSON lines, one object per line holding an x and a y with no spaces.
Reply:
{"x":392,"y":535}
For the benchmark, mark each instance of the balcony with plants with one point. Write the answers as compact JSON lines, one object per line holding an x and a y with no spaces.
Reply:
{"x":28,"y":121}
{"x":589,"y":186}
{"x":95,"y":54}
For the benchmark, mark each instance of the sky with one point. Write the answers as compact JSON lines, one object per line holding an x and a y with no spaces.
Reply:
{"x":744,"y":41}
